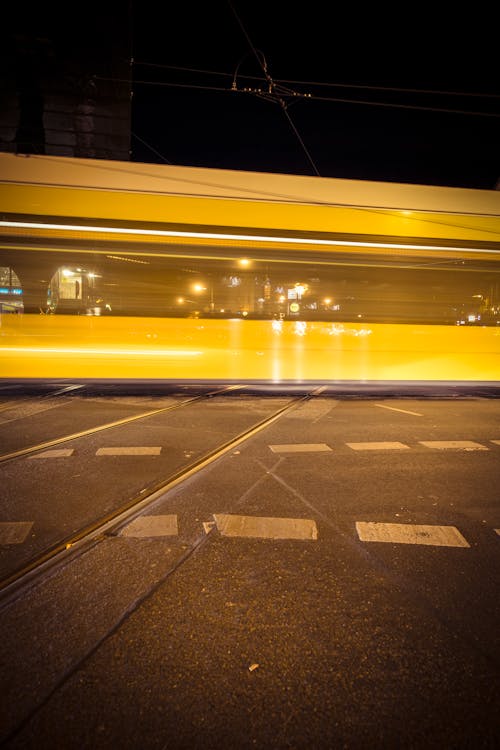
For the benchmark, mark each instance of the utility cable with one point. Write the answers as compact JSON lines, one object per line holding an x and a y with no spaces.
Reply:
{"x":287,"y":115}
{"x":272,"y":94}
{"x":310,"y":97}
{"x":138,"y":138}
{"x":367,"y":87}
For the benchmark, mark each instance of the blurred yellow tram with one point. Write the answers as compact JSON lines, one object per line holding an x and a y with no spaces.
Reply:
{"x":117,"y":271}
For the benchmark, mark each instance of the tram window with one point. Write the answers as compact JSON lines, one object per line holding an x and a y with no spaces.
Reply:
{"x":331,"y":287}
{"x":376,"y":291}
{"x":11,"y":293}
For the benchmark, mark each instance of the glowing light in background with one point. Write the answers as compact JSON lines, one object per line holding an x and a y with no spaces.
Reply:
{"x":277,"y":326}
{"x":339,"y":330}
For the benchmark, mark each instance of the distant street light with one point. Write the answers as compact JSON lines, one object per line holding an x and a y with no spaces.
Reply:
{"x":199,"y":288}
{"x":301,"y":289}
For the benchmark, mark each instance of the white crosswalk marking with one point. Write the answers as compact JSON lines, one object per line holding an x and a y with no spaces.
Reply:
{"x":403,"y":411}
{"x":152,"y":526}
{"x":265,"y":528}
{"x":464,"y":445}
{"x":54,"y":453}
{"x":377,"y":446}
{"x":129,"y":451}
{"x":407,"y":533}
{"x":300,"y":448}
{"x":14,"y":532}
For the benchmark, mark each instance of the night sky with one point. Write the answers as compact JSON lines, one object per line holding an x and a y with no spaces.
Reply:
{"x":346,"y":91}
{"x":195,"y":123}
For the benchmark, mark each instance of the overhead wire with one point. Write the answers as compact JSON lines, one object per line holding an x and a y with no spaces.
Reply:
{"x":272,"y":89}
{"x":151,"y":148}
{"x":276,"y":92}
{"x":395,"y":105}
{"x":397,"y":89}
{"x":312,"y":97}
{"x":368,"y":87}
{"x":131,"y":82}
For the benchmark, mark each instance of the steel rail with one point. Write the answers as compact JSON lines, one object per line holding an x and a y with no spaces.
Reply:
{"x":126,"y":420}
{"x":110,"y":524}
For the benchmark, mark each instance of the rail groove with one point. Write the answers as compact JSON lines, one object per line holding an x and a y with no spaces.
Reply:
{"x":92,"y":430}
{"x":111,"y":523}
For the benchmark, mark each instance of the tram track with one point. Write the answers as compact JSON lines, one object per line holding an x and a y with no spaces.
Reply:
{"x":23,"y":452}
{"x":109,"y":524}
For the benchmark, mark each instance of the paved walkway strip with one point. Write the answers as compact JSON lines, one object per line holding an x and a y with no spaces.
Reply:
{"x":129,"y":451}
{"x":265,"y":528}
{"x":464,"y":445}
{"x":54,"y":453}
{"x":406,"y":533}
{"x":300,"y":448}
{"x":14,"y":532}
{"x":378,"y":446}
{"x":151,"y":526}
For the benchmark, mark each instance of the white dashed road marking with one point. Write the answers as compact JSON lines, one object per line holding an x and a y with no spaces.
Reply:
{"x":129,"y":451}
{"x":266,"y":528}
{"x":377,"y":446}
{"x":15,"y":532}
{"x":464,"y":445}
{"x":55,"y":453}
{"x":403,"y":411}
{"x":405,"y":533}
{"x":150,"y":526}
{"x":300,"y":448}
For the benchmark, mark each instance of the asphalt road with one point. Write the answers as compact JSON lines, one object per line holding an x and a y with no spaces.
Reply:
{"x":332,"y":582}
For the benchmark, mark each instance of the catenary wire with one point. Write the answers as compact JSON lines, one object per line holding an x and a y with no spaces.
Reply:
{"x":313,"y":97}
{"x":271,"y":90}
{"x":367,"y":87}
{"x":151,"y":148}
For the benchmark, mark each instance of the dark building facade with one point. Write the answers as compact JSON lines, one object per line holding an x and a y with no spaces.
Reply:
{"x":65,"y":80}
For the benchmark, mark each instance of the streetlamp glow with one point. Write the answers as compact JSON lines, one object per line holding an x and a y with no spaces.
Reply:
{"x":301,"y":289}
